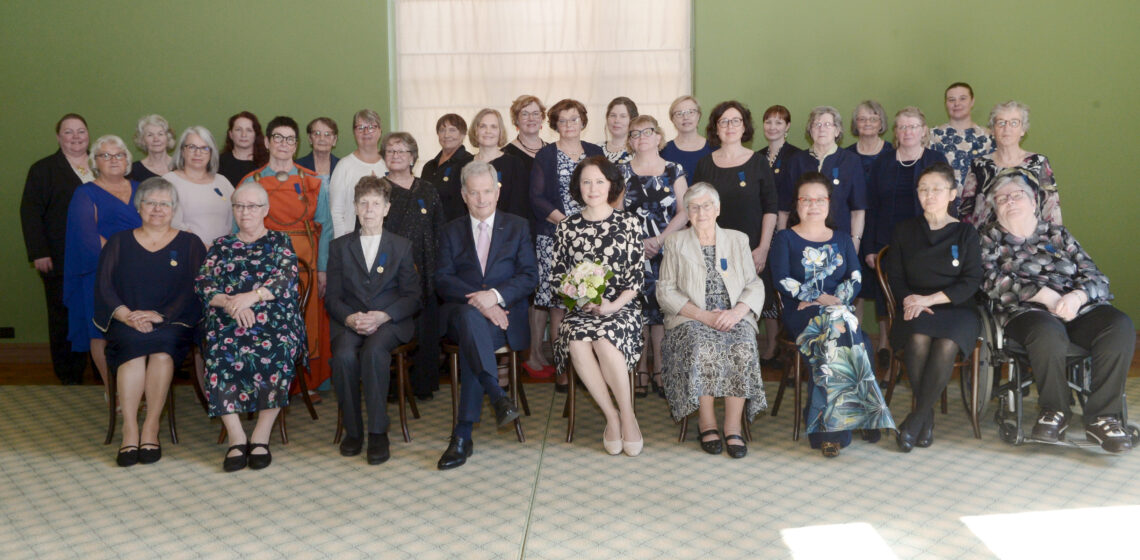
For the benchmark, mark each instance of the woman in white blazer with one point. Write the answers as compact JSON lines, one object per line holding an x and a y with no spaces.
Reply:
{"x":711,"y":296}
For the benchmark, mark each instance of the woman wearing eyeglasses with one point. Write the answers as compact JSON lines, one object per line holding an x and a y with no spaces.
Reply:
{"x":366,"y":159}
{"x":203,"y":194}
{"x":842,"y":169}
{"x":527,"y":113}
{"x":817,"y":272}
{"x":653,"y":188}
{"x":1009,"y":122}
{"x":98,"y":210}
{"x":294,"y":194}
{"x":689,"y":147}
{"x":252,"y":328}
{"x":145,"y":305}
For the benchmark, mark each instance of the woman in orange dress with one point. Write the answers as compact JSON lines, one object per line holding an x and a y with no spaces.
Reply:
{"x":293,"y":209}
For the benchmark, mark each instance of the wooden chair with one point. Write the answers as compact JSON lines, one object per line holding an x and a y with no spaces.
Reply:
{"x":973,"y":407}
{"x":516,"y":390}
{"x":113,"y":403}
{"x":404,"y":396}
{"x":568,"y":409}
{"x":795,"y":371}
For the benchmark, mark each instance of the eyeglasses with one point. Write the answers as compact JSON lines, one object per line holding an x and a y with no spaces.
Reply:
{"x":706,"y":207}
{"x":564,"y":122}
{"x":1012,"y":123}
{"x":530,"y":114}
{"x":820,"y":125}
{"x":685,"y":113}
{"x":239,"y":208}
{"x":1015,"y":196}
{"x":278,"y":138}
{"x":909,"y":127}
{"x":730,"y":123}
{"x":936,"y":191}
{"x":862,"y":120}
{"x":108,"y":157}
{"x":635,"y":134}
{"x":152,"y":204}
{"x":320,"y":133}
{"x":365,"y":128}
{"x":196,"y":149}
{"x":813,"y":201}
{"x":397,"y":152}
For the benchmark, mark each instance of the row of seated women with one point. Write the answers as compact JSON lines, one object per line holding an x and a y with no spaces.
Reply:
{"x":730,"y":126}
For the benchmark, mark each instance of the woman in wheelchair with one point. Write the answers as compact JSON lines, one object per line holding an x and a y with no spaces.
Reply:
{"x":1048,"y":293}
{"x":934,"y":267}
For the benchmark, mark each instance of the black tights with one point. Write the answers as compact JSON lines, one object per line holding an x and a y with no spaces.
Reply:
{"x":929,"y":363}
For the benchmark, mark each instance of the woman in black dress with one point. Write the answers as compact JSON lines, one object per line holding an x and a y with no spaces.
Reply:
{"x":417,"y":215}
{"x":145,"y":305}
{"x":777,"y":121}
{"x":935,"y":268}
{"x":489,"y":135}
{"x":245,"y":148}
{"x":443,"y":169}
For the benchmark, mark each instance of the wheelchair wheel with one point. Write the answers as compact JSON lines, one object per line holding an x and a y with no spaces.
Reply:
{"x":1010,"y":434}
{"x":985,"y":383}
{"x":1134,"y":433}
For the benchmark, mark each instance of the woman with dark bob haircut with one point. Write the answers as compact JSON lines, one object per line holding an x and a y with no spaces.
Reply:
{"x":603,"y":339}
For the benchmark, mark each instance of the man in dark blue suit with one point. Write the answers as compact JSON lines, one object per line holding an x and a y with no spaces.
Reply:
{"x":485,"y":275}
{"x":373,"y":292}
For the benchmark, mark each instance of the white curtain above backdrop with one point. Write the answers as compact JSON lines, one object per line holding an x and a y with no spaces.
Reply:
{"x":459,"y":56}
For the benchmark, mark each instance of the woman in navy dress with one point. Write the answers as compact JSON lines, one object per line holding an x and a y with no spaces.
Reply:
{"x":935,"y":268}
{"x":817,"y":272}
{"x":145,"y":304}
{"x":689,"y":147}
{"x":98,"y":210}
{"x":253,"y":329}
{"x":777,"y":120}
{"x":653,"y":189}
{"x":442,"y":171}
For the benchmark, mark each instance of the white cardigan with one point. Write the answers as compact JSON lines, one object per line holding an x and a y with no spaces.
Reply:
{"x":682,"y":276}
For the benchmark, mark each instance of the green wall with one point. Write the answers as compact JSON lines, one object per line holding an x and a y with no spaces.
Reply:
{"x":197,"y":63}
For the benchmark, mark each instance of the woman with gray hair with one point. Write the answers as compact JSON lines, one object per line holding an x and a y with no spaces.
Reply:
{"x":366,"y":159}
{"x":711,"y":297}
{"x":154,"y":137}
{"x":145,"y":305}
{"x":1009,"y":122}
{"x":1048,"y":293}
{"x":97,"y":211}
{"x":204,"y":194}
{"x":868,"y":125}
{"x":253,"y":328}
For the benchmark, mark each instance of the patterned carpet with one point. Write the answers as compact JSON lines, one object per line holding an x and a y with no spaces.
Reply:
{"x":63,"y":497}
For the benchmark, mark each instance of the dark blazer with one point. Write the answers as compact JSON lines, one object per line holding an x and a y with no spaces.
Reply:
{"x":544,"y":195}
{"x":511,"y":269}
{"x":43,"y":208}
{"x":309,"y":162}
{"x":446,"y":180}
{"x":351,"y":288}
{"x":885,"y":175}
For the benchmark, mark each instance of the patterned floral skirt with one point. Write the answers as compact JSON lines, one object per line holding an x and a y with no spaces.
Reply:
{"x":700,"y":361}
{"x":544,"y":295}
{"x":622,"y":328}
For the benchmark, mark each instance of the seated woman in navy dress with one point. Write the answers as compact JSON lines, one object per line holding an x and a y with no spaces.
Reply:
{"x":145,"y":306}
{"x":817,"y":273}
{"x":935,"y":268}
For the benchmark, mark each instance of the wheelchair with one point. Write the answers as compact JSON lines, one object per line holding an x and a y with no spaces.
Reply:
{"x":1012,"y":381}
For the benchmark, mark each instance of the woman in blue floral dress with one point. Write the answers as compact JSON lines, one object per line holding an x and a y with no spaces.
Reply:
{"x":252,"y":327}
{"x":817,"y":273}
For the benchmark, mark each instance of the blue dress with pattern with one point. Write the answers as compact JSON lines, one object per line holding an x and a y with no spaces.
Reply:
{"x":843,"y":392}
{"x":653,"y":199}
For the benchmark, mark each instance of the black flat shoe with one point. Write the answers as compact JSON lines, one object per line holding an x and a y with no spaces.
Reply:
{"x":237,"y":462}
{"x":642,"y":389}
{"x":128,"y":456}
{"x":735,"y":451}
{"x":656,"y":385}
{"x":378,"y":448}
{"x":149,"y":455}
{"x":712,"y":446}
{"x":259,"y":461}
{"x":926,"y":436}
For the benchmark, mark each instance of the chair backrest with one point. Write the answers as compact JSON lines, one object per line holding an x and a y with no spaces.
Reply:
{"x":881,"y":275}
{"x":306,"y":279}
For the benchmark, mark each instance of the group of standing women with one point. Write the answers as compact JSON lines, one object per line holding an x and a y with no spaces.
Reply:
{"x":782,"y":228}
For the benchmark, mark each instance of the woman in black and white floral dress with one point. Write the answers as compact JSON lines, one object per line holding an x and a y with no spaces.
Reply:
{"x":603,"y":340}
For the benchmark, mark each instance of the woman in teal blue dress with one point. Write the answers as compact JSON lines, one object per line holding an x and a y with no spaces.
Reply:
{"x":97,"y":211}
{"x":817,"y":273}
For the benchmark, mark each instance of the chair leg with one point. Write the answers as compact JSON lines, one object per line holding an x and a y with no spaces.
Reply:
{"x":522,"y":399}
{"x":632,"y":397}
{"x":975,"y":365}
{"x":453,"y":358}
{"x":780,"y":392}
{"x":302,"y":369}
{"x":798,"y":414}
{"x":513,"y":367}
{"x":407,"y":383}
{"x":894,"y":372}
{"x":570,"y":390}
{"x":745,"y":424}
{"x":222,"y":434}
{"x":402,"y":397}
{"x":170,"y":414}
{"x":112,"y":401}
{"x":281,"y":428}
{"x":684,"y":430}
{"x":339,"y":424}
{"x":945,"y":407}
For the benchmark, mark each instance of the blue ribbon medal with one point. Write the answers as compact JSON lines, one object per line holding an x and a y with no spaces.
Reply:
{"x":173,"y":258}
{"x":742,"y":181}
{"x":381,"y":261}
{"x":835,"y":176}
{"x":954,"y":253}
{"x":423,"y":209}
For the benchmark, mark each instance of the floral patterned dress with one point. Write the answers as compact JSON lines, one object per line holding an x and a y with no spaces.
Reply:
{"x":544,"y":244}
{"x":701,"y":360}
{"x":615,"y":243}
{"x":653,"y":200}
{"x":961,"y":146}
{"x":251,"y":369}
{"x":843,"y":393}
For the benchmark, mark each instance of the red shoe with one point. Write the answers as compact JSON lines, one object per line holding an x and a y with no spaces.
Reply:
{"x":542,"y":373}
